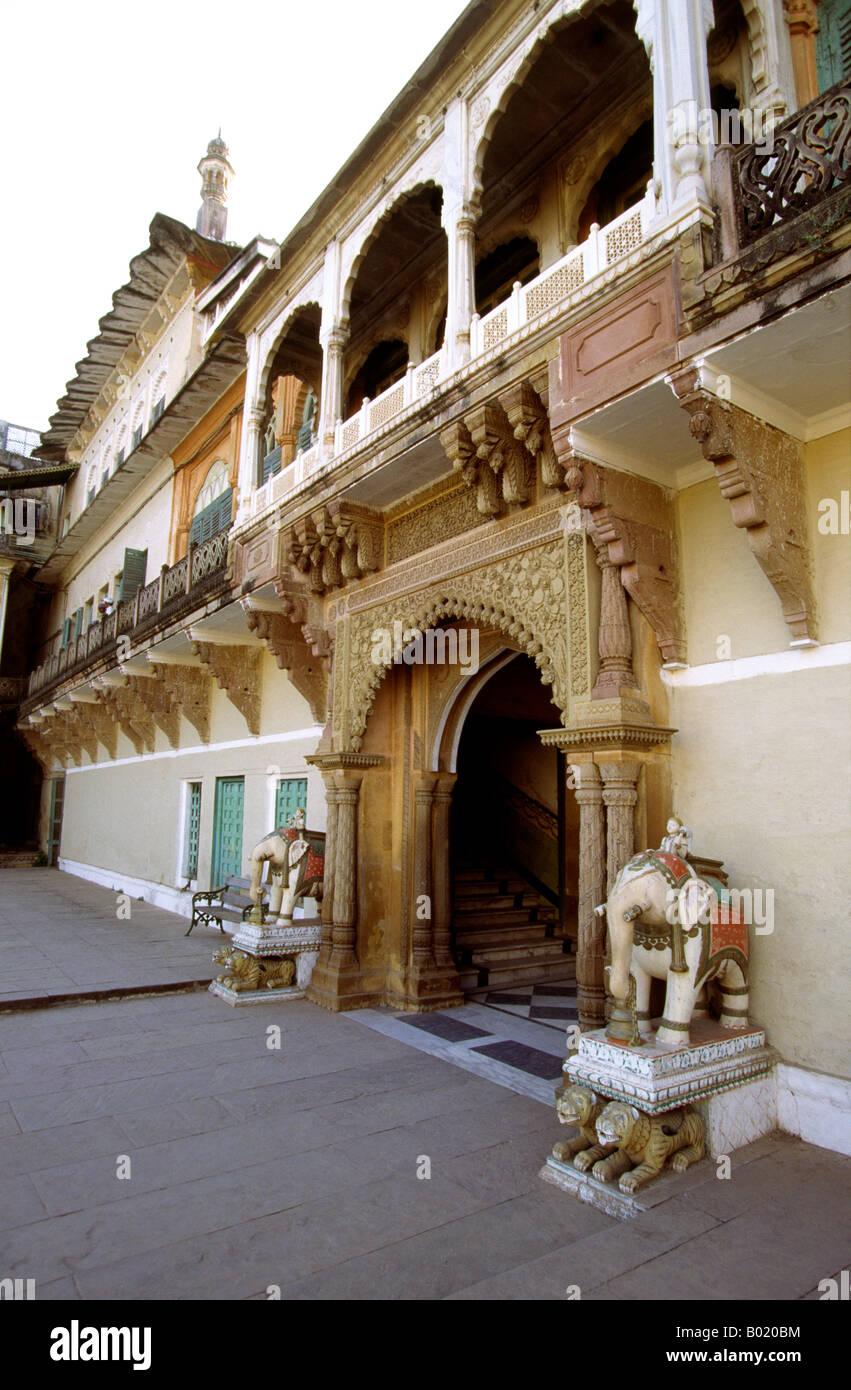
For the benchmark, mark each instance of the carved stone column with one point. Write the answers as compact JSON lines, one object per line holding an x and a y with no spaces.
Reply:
{"x":620,"y":798}
{"x":591,"y":946}
{"x":460,"y":225}
{"x":422,"y":908}
{"x":615,"y":675}
{"x":802,"y":19}
{"x":441,"y":883}
{"x":250,"y":471}
{"x":331,"y":403}
{"x":345,"y":869}
{"x":674,"y":32}
{"x":327,"y":911}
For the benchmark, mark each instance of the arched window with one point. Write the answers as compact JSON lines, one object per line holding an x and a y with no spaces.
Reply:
{"x":213,"y":505}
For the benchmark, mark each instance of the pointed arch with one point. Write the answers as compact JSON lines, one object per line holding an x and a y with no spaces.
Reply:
{"x":371,"y":230}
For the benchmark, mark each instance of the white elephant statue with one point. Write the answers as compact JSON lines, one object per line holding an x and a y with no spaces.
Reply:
{"x":296,"y":860}
{"x":666,"y":923}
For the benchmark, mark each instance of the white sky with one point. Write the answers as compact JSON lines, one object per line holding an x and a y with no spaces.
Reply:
{"x":107,"y":109}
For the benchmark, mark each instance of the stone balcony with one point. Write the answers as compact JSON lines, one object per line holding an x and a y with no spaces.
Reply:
{"x":178,"y":591}
{"x":607,"y":255}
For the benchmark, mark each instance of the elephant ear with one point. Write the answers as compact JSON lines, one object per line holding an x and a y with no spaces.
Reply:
{"x":695,"y":899}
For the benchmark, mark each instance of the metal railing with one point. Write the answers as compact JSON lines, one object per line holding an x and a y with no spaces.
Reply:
{"x":178,"y":586}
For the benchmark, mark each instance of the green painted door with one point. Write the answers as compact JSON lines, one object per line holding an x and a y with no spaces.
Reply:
{"x":57,"y":798}
{"x":292,"y":793}
{"x":227,"y":829}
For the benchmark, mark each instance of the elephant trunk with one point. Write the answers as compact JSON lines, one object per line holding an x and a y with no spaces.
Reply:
{"x":620,"y":936}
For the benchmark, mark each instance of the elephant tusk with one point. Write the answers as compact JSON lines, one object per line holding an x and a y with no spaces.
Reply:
{"x":601,"y":910}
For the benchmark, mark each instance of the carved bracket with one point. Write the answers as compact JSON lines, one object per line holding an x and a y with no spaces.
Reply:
{"x":461,"y":452}
{"x":124,"y":707}
{"x":530,"y":422}
{"x":290,"y":644}
{"x":237,"y":671}
{"x":334,"y":545}
{"x":760,"y":472}
{"x":160,"y":702}
{"x":497,"y":449}
{"x":643,"y":553}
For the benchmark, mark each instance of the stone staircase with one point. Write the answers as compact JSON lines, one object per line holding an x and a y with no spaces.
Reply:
{"x":17,"y":858}
{"x":504,"y":932}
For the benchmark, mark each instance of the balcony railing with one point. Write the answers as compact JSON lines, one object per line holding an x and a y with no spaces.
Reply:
{"x":181,"y":586}
{"x":800,"y":167}
{"x":605,"y":247}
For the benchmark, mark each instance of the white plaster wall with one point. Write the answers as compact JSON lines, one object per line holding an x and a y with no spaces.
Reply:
{"x":146,"y":845}
{"x":760,"y":774}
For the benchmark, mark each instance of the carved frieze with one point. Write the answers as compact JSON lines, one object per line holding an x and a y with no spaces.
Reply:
{"x":451,"y":514}
{"x":524,"y":596}
{"x":760,"y":472}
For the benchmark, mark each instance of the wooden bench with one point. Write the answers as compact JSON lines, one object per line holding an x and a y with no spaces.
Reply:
{"x":230,"y":903}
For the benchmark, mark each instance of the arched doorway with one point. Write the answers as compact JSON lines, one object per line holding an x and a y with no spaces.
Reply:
{"x":514,"y":839}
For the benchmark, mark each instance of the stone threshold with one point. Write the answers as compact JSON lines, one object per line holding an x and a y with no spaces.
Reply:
{"x":101,"y":996}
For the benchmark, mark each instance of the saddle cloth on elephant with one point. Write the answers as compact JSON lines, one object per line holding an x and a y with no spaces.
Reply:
{"x":728,"y":929}
{"x":673,"y":869}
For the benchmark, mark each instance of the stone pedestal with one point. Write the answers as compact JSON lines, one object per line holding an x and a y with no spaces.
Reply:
{"x":661,"y":1076}
{"x":729,"y":1078}
{"x":272,"y":942}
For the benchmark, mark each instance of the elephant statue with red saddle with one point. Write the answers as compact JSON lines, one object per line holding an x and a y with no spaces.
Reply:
{"x":667,"y":922}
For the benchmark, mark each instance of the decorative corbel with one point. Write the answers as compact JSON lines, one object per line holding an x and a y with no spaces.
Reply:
{"x":331,"y":547}
{"x":158,"y":699}
{"x":189,"y":687}
{"x":237,"y":671}
{"x":643,"y":554}
{"x":528,"y":417}
{"x":498,"y":450}
{"x":461,"y":452}
{"x":760,"y":472}
{"x":286,"y":641}
{"x":126,"y":709}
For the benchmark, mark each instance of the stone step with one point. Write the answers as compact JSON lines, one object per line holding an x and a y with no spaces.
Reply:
{"x":486,"y":887}
{"x":540,"y":949}
{"x":497,"y":935}
{"x":502,"y":917}
{"x":533,"y":971}
{"x":495,"y":902}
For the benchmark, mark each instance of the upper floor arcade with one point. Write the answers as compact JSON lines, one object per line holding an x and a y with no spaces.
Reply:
{"x":542,"y":159}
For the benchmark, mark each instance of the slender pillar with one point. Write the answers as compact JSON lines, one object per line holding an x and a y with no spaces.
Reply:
{"x":674,"y":33}
{"x":327,"y":914}
{"x":620,"y":798}
{"x":345,"y":869}
{"x":460,"y":224}
{"x":615,"y":674}
{"x":591,"y":946}
{"x":331,"y":404}
{"x":802,"y":19}
{"x":441,"y":881}
{"x":6,"y":568}
{"x":422,"y":908}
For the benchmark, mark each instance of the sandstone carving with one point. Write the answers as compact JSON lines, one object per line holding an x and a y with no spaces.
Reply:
{"x":334,"y":545}
{"x":578,"y":1105}
{"x":646,"y":1142}
{"x":243,"y":973}
{"x":237,"y":670}
{"x":760,"y":472}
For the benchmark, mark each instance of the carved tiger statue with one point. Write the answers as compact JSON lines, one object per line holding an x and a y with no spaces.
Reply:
{"x":577,"y":1105}
{"x":645,"y":1142}
{"x":244,"y":973}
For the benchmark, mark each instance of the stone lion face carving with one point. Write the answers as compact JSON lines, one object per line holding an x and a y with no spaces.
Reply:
{"x":617,"y":1122}
{"x":574,"y":1105}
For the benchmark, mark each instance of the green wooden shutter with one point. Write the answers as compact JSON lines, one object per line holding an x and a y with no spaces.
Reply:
{"x":78,"y":623}
{"x":291,"y":793}
{"x":66,"y":633}
{"x":193,"y":824}
{"x":227,"y":829}
{"x":215,"y":518}
{"x":833,"y":42}
{"x":133,"y":574}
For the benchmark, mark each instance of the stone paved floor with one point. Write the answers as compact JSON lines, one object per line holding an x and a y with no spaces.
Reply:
{"x":298,"y":1166}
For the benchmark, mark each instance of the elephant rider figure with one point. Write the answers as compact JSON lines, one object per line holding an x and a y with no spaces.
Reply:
{"x":677,"y":841}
